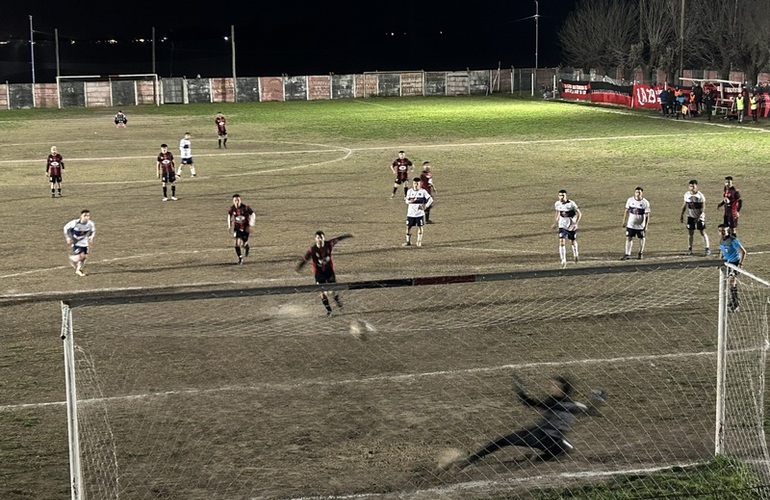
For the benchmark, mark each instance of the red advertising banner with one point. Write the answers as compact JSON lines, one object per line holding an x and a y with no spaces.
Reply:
{"x":611,"y":97}
{"x":575,"y":90}
{"x":646,"y":96}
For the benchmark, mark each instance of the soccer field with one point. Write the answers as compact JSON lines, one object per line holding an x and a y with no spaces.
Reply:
{"x":267,"y":398}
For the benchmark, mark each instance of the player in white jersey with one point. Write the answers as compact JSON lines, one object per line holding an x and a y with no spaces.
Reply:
{"x":417,"y":200}
{"x":185,"y":151}
{"x":636,"y":216}
{"x":568,"y":217}
{"x":695,"y":207}
{"x":79,"y":233}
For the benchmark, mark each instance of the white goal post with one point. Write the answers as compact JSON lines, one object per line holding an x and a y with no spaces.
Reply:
{"x":108,"y":90}
{"x":252,"y":393}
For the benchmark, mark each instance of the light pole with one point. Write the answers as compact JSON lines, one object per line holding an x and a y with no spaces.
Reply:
{"x":537,"y":30}
{"x":32,"y":48}
{"x":681,"y":40}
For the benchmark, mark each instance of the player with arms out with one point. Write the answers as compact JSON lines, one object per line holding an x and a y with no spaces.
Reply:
{"x":638,"y":214}
{"x":732,"y":201}
{"x":568,"y":217}
{"x":558,"y":414}
{"x":401,"y":167}
{"x":185,"y":152}
{"x":695,"y":207}
{"x":221,"y":123}
{"x":323,"y":266}
{"x":121,"y":120}
{"x":240,"y":219}
{"x":418,"y":200}
{"x":54,"y":166}
{"x":166,"y":172}
{"x":79,"y":234}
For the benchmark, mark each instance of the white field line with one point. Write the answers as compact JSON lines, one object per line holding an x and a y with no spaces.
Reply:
{"x":409,"y":377}
{"x":327,"y":148}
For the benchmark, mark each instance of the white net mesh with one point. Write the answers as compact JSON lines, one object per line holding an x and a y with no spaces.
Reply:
{"x":261,"y":396}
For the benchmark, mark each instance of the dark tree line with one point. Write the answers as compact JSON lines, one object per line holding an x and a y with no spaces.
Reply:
{"x":723,"y":35}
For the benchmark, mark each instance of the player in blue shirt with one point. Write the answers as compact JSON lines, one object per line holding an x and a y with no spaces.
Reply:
{"x":733,"y":253}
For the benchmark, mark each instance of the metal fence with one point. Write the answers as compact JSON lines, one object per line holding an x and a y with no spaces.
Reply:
{"x":108,"y":92}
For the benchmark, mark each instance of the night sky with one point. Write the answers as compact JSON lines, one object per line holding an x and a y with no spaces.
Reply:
{"x":294,"y":38}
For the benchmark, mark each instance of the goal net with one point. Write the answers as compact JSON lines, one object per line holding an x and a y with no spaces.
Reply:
{"x":108,"y":91}
{"x":254,"y":393}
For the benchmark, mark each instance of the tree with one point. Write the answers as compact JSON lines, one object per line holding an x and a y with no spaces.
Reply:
{"x":599,"y":34}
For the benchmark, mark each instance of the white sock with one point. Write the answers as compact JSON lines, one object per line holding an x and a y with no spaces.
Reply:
{"x":574,"y":249}
{"x":192,"y":170}
{"x":706,"y":239}
{"x":629,"y":247}
{"x":562,"y":252}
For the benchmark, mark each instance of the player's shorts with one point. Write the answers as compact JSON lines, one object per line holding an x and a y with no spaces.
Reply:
{"x":320,"y":279}
{"x":187,"y":161}
{"x":693,"y":224}
{"x":121,"y":122}
{"x":731,"y":271}
{"x":168,"y":176}
{"x":564,"y":233}
{"x":221,"y":132}
{"x":241,"y":234}
{"x":55,"y":178}
{"x":77,"y":250}
{"x":634,"y":233}
{"x":731,"y":221}
{"x":401,"y":180}
{"x":415,"y":221}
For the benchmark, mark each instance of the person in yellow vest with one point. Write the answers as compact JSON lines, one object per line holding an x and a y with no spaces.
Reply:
{"x":740,"y":106}
{"x":754,"y":105}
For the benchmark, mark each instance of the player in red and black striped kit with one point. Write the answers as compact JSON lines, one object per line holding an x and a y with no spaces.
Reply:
{"x":54,"y":166}
{"x":402,"y":167}
{"x":240,"y":218}
{"x":732,"y":201}
{"x":166,"y":171}
{"x":426,"y":182}
{"x":323,"y":265}
{"x":221,"y":123}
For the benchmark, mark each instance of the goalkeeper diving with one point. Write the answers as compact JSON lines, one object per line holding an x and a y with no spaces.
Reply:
{"x":558,"y":414}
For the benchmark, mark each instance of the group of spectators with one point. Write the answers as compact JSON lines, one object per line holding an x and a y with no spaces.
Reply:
{"x":704,"y":100}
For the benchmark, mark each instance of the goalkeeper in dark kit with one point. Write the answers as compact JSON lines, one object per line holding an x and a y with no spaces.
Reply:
{"x":559,"y":412}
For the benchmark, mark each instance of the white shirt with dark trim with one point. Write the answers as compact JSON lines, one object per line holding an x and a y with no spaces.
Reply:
{"x":185,"y":148}
{"x":637,"y":212}
{"x":567,"y":213}
{"x":695,"y":204}
{"x":417,"y":201}
{"x":80,"y":232}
